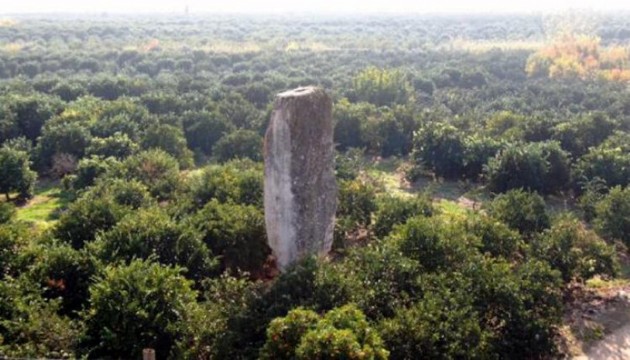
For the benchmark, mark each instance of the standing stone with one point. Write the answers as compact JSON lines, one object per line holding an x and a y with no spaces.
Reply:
{"x":300,"y":186}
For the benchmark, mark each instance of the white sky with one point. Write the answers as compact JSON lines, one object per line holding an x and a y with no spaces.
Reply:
{"x":325,"y":6}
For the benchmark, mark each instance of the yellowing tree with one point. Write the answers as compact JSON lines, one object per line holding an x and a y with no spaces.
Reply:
{"x":581,"y":57}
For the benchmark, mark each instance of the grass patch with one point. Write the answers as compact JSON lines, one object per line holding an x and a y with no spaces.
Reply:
{"x":45,"y":206}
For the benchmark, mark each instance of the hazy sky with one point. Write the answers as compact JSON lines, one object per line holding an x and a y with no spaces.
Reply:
{"x":406,"y":6}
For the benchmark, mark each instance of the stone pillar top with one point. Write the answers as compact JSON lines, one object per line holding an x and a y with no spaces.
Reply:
{"x":301,"y":91}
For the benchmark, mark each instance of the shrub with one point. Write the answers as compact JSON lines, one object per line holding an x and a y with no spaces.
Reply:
{"x":443,"y":324}
{"x":151,"y":233}
{"x":137,"y":306}
{"x":520,"y":210}
{"x":392,"y":210}
{"x":7,"y":212}
{"x":497,"y":239}
{"x":236,"y":233}
{"x":610,"y":164}
{"x":284,"y":334}
{"x":239,"y":144}
{"x":15,"y":173}
{"x":356,"y":202}
{"x":381,"y":86}
{"x":343,"y":333}
{"x":576,"y":252}
{"x":155,"y":169}
{"x":85,"y":218}
{"x":542,"y":167}
{"x":439,"y":147}
{"x":239,"y":182}
{"x":612,"y":215}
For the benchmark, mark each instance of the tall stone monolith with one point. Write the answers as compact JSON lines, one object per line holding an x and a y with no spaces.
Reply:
{"x":300,"y":186}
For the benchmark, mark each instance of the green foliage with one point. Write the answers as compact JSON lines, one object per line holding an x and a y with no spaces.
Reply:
{"x":240,"y":144}
{"x":29,"y":324}
{"x":155,"y":169}
{"x":204,"y":129}
{"x":520,"y":210}
{"x":119,"y":146}
{"x":85,"y":218}
{"x":610,"y":164}
{"x":576,"y":252}
{"x":579,"y":135}
{"x":356,"y":202}
{"x":66,"y":274}
{"x":284,"y":334}
{"x":343,"y":333}
{"x":542,"y":167}
{"x":612,"y":215}
{"x":62,"y":136}
{"x":433,"y":243}
{"x":235,"y":233}
{"x":137,"y":306}
{"x":90,"y":169}
{"x":7,"y":212}
{"x":171,"y":140}
{"x":381,"y":87}
{"x":239,"y":182}
{"x":150,"y":233}
{"x":392,"y":210}
{"x":15,"y":173}
{"x":497,"y":239}
{"x":442,"y":325}
{"x":440,"y":148}
{"x":13,"y":241}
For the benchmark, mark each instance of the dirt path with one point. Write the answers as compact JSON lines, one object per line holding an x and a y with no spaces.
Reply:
{"x":615,"y":346}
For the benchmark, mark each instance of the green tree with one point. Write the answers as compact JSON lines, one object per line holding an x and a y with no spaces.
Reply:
{"x":151,"y":233}
{"x":171,"y":140}
{"x":137,"y":306}
{"x":381,"y":87}
{"x":521,"y":210}
{"x":612,"y":215}
{"x":240,"y":144}
{"x":15,"y":173}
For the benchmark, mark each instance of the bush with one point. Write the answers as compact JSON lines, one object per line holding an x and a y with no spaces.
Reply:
{"x":15,"y":173}
{"x":89,"y":169}
{"x":610,"y":164}
{"x":137,"y":306}
{"x":440,"y":148}
{"x":151,"y":233}
{"x":356,"y":202}
{"x":497,"y":239}
{"x":381,"y":87}
{"x":576,"y":252}
{"x":235,"y":233}
{"x":240,"y":182}
{"x":85,"y":218}
{"x":392,"y":210}
{"x":119,"y":146}
{"x":155,"y":169}
{"x":343,"y":333}
{"x":66,"y":274}
{"x":541,"y":167}
{"x":284,"y":334}
{"x":612,"y":215}
{"x":31,"y":326}
{"x":171,"y":140}
{"x":239,"y":144}
{"x":442,"y":325}
{"x":7,"y":212}
{"x":520,"y":210}
{"x":433,"y":243}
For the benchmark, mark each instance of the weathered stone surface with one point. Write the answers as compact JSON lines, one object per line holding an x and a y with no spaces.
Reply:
{"x":300,"y":186}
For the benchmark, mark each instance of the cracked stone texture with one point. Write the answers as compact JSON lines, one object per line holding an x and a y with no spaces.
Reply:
{"x":300,"y":187}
